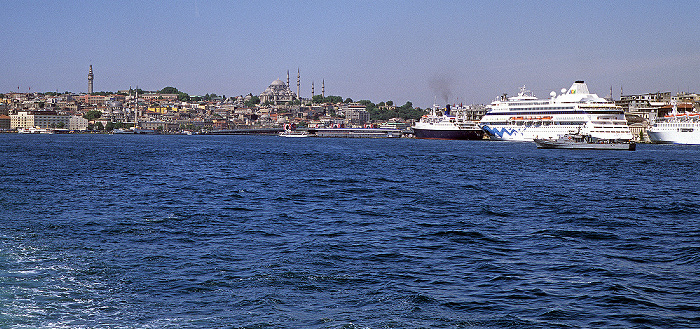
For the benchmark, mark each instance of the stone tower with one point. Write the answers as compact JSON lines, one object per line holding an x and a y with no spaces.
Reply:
{"x":90,"y":78}
{"x":298,"y":83}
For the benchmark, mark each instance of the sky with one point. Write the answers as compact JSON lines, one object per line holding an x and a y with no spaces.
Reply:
{"x":420,"y":51}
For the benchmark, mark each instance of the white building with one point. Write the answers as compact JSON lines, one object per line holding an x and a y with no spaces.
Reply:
{"x":77,"y":122}
{"x":355,"y":114}
{"x":41,"y":119}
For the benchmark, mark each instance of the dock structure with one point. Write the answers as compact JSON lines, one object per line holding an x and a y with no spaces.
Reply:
{"x":252,"y":131}
{"x":356,"y":132}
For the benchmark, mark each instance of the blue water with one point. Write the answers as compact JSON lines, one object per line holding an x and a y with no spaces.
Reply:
{"x":119,"y":231}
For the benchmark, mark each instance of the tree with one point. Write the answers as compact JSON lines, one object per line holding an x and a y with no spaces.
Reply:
{"x":252,"y":101}
{"x":405,"y":111}
{"x":317,"y":99}
{"x":183,"y":97}
{"x":348,"y":100}
{"x":92,"y":115}
{"x":389,"y":103}
{"x":137,"y":90}
{"x":334,"y":99}
{"x":100,"y":126}
{"x":169,"y":90}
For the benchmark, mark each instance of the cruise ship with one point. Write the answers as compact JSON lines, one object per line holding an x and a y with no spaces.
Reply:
{"x":525,"y":117}
{"x":443,"y":125}
{"x":676,"y":128}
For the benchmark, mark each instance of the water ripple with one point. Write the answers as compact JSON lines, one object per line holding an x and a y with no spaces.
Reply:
{"x":257,"y":232}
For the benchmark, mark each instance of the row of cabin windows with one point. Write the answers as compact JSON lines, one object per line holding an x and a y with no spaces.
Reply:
{"x":540,"y":111}
{"x":535,"y":123}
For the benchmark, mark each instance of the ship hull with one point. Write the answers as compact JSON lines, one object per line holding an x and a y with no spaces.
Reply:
{"x":462,"y":134}
{"x":549,"y":144}
{"x":674,"y":137}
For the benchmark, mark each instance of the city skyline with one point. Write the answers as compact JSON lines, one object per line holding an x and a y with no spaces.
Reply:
{"x":387,"y":50}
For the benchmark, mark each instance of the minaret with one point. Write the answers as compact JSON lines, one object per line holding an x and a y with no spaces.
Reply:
{"x":287,"y":78}
{"x":312,"y":89}
{"x":90,"y":78}
{"x":136,"y":109}
{"x":323,"y":88}
{"x":298,"y":83}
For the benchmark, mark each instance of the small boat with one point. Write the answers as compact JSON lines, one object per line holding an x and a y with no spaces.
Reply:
{"x":122,"y":131}
{"x":290,"y":130}
{"x":294,"y":133}
{"x":35,"y":130}
{"x":584,"y":142}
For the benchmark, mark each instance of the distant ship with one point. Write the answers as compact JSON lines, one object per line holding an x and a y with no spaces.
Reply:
{"x":676,"y":128}
{"x":442,"y":125}
{"x":35,"y":130}
{"x":290,"y":130}
{"x":583,"y":141}
{"x":526,"y":118}
{"x":134,"y":130}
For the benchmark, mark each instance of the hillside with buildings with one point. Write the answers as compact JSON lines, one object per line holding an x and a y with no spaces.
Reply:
{"x":171,"y":110}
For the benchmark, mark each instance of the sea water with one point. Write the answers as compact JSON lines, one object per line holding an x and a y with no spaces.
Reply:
{"x":124,"y":231}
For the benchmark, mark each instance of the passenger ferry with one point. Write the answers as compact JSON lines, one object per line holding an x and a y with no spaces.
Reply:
{"x":526,"y":118}
{"x":442,"y":125}
{"x":676,"y":128}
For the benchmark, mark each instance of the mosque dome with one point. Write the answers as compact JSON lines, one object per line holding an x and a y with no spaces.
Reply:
{"x":277,"y":93}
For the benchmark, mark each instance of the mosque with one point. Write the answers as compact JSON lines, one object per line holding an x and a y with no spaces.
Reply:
{"x":279,"y":93}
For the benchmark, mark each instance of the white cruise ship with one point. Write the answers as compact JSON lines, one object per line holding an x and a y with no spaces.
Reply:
{"x":676,"y":128}
{"x":525,"y":117}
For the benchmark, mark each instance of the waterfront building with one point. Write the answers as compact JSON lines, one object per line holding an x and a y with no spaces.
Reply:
{"x":4,"y":122}
{"x":41,"y":119}
{"x":470,"y":112}
{"x":159,"y":125}
{"x":278,"y":93}
{"x":355,"y":114}
{"x":646,"y":106}
{"x":77,"y":123}
{"x":688,"y":98}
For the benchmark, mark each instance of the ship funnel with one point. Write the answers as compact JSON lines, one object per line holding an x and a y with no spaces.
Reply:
{"x":579,"y":87}
{"x":447,"y":109}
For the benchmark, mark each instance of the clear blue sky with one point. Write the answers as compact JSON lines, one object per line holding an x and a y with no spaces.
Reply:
{"x":469,"y":51}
